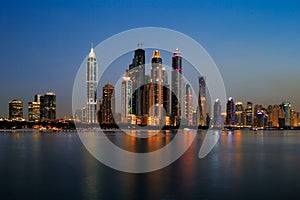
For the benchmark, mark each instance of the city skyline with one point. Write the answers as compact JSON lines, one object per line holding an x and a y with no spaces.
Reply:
{"x":134,"y":72}
{"x":259,"y":42}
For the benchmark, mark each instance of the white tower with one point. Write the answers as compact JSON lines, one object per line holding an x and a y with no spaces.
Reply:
{"x":92,"y":82}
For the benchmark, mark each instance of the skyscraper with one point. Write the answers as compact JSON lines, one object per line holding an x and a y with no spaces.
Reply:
{"x":189,"y":105}
{"x":107,"y":106}
{"x":230,"y":112}
{"x":260,"y":120}
{"x":166,"y":92}
{"x":202,"y":101}
{"x":239,"y":113}
{"x":48,"y":107}
{"x":92,"y":82}
{"x":286,"y":107}
{"x":176,"y":87}
{"x":157,"y":79}
{"x":275,"y":116}
{"x":137,"y":76}
{"x":217,"y":116}
{"x":249,"y":114}
{"x":126,"y":98}
{"x":34,"y":109}
{"x":16,"y":110}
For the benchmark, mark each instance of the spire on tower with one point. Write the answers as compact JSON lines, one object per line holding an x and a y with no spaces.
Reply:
{"x":92,"y":53}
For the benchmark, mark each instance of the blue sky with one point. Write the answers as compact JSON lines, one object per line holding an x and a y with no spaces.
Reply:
{"x":254,"y":43}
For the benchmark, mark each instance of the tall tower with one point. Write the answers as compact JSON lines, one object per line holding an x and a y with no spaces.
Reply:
{"x":137,"y":76}
{"x":239,"y":113}
{"x":176,"y":96}
{"x":126,"y":98}
{"x":157,"y":79}
{"x":230,"y":112}
{"x":92,"y":82}
{"x":286,"y":107}
{"x":217,"y":116}
{"x":202,"y":101}
{"x":166,"y":92}
{"x":189,"y":104}
{"x":249,"y":114}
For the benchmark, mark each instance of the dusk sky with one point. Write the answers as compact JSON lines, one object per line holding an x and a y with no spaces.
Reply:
{"x":255,"y":44}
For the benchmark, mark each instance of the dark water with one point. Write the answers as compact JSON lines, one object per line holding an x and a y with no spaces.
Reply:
{"x":243,"y":165}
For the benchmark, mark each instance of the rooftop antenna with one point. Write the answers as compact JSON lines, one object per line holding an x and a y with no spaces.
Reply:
{"x":140,"y":45}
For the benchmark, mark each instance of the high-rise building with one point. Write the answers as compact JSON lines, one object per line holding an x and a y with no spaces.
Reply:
{"x":92,"y":82}
{"x":16,"y":110}
{"x":34,"y":113}
{"x":126,"y":98}
{"x":286,"y":107}
{"x":202,"y":101}
{"x":239,"y":113}
{"x":137,"y":77}
{"x":249,"y":114}
{"x":189,"y":105}
{"x":107,"y":106}
{"x":166,"y":92}
{"x":177,"y":89}
{"x":48,"y":107}
{"x":217,"y":116}
{"x":157,"y":79}
{"x":294,"y":118}
{"x":256,"y":109}
{"x":275,"y":116}
{"x":230,"y":112}
{"x":281,"y":117}
{"x":260,"y":119}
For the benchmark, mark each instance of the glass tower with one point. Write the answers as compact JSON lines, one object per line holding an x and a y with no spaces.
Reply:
{"x":176,"y":97}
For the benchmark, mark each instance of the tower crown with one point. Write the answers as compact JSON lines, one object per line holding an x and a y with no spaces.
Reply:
{"x":156,"y":54}
{"x":177,"y":53}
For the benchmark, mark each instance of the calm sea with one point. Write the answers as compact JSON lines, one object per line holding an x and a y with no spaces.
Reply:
{"x":242,"y":165}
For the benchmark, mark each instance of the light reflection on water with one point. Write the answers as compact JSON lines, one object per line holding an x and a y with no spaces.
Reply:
{"x":242,"y":165}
